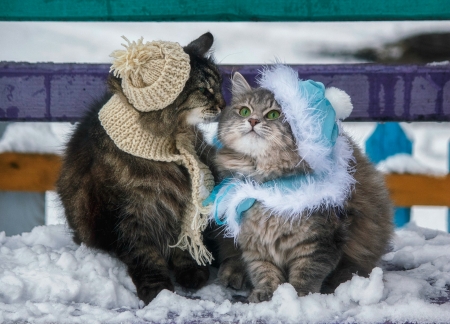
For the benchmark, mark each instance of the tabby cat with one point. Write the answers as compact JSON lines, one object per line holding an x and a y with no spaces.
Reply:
{"x":131,"y":206}
{"x":314,"y":253}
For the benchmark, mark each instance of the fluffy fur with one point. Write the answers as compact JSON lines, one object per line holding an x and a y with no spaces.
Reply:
{"x":314,"y":194}
{"x":283,"y":81}
{"x":314,"y":253}
{"x":340,"y":101}
{"x":130,"y":206}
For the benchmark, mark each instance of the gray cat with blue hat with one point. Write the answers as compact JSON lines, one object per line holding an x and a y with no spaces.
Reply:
{"x":301,"y":202}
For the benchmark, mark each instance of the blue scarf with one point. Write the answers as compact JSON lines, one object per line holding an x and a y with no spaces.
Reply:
{"x":228,"y":187}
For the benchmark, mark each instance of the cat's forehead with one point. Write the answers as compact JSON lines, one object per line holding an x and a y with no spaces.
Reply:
{"x":257,"y":96}
{"x":204,"y":73}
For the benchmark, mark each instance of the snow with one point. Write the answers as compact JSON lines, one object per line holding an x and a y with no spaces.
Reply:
{"x":36,"y":137}
{"x":235,"y":43}
{"x":443,"y":63}
{"x":45,"y":277}
{"x":405,"y":163}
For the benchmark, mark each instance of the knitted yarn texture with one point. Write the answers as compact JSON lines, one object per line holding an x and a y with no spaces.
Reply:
{"x":153,"y":74}
{"x":121,"y":122}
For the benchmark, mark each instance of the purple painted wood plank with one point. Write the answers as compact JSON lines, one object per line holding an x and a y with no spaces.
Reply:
{"x":61,"y":92}
{"x":48,"y":91}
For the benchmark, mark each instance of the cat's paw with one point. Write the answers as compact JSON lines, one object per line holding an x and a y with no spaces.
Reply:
{"x":192,"y":277}
{"x":148,"y":291}
{"x":260,"y":295}
{"x":232,"y":273}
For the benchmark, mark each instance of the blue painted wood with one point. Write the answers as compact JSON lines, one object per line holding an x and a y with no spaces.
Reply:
{"x":387,"y":140}
{"x":62,"y":92}
{"x":220,"y":10}
{"x":402,"y":216}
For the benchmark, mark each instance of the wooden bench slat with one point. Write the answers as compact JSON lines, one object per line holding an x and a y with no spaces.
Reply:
{"x":38,"y":173}
{"x":28,"y":172}
{"x":61,"y":92}
{"x":414,"y":189}
{"x":219,"y":10}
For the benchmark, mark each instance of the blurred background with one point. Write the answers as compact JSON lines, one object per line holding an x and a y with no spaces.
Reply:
{"x":423,"y":42}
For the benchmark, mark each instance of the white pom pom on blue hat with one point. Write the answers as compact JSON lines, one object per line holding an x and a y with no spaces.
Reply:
{"x":340,"y":101}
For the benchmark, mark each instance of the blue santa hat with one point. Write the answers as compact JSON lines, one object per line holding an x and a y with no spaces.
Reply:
{"x":312,"y":111}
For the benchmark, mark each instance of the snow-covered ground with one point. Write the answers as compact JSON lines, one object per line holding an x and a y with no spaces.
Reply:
{"x":44,"y":277}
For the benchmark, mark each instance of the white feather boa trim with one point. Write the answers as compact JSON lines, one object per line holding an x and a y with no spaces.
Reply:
{"x":319,"y":192}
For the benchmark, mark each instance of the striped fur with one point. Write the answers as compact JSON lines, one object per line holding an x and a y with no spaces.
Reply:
{"x":314,"y":253}
{"x":131,"y":206}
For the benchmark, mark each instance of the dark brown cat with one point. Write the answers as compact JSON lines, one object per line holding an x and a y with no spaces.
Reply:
{"x":132,"y":206}
{"x":314,"y":251}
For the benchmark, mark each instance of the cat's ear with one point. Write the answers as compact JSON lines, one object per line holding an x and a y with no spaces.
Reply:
{"x":201,"y":45}
{"x":239,"y":85}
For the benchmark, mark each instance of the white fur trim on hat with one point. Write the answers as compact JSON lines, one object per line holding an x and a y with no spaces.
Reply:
{"x":282,"y":81}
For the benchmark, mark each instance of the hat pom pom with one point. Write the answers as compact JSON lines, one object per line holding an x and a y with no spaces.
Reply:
{"x":340,"y":101}
{"x":132,"y":59}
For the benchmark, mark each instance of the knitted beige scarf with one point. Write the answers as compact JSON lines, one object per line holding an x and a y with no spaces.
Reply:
{"x":121,"y":122}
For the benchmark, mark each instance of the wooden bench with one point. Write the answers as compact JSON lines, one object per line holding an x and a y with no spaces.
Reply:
{"x":38,"y":173}
{"x":58,"y":92}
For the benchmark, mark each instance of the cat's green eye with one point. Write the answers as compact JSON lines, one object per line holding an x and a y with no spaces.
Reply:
{"x":244,"y":112}
{"x":273,"y":114}
{"x":202,"y":90}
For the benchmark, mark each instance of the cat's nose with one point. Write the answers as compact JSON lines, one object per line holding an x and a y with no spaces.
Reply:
{"x":253,"y":121}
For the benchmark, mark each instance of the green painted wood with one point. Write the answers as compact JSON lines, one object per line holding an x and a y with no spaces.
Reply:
{"x":222,"y":10}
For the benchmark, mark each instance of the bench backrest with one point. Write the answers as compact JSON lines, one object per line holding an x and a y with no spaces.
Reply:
{"x":222,"y":10}
{"x":61,"y":92}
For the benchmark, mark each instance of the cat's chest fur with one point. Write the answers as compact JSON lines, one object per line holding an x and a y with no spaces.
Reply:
{"x":278,"y":239}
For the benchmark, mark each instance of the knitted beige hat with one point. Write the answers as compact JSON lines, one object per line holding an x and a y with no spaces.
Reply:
{"x":153,"y":74}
